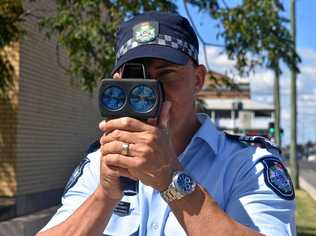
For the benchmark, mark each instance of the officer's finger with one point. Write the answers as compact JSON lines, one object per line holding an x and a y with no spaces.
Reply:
{"x":152,"y":121}
{"x":164,"y":115}
{"x":126,"y":123}
{"x":102,"y":125}
{"x":121,"y":161}
{"x":121,"y":172}
{"x":125,"y":173}
{"x":123,"y":136}
{"x":116,"y":147}
{"x":116,"y":75}
{"x":115,"y":171}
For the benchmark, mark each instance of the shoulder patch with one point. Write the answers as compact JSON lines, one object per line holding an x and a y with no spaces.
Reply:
{"x":93,"y":146}
{"x":76,"y":174}
{"x":277,"y":178}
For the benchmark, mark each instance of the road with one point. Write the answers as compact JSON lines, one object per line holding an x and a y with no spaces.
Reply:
{"x":308,"y":177}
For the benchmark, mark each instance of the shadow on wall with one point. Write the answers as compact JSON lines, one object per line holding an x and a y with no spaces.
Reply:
{"x":8,"y":134}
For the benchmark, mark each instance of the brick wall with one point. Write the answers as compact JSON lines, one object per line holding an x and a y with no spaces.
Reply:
{"x":56,"y":122}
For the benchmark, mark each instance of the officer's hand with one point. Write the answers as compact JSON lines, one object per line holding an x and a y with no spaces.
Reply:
{"x":151,"y":156}
{"x":109,"y":175}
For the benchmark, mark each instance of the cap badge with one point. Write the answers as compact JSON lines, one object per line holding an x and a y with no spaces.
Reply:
{"x":145,"y":32}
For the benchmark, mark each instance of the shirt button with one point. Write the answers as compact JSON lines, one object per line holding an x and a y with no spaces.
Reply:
{"x":155,"y":226}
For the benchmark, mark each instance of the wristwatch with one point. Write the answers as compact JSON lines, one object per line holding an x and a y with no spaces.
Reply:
{"x":181,"y":185}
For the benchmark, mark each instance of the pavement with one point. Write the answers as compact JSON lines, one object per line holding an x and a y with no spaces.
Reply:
{"x":7,"y":208}
{"x":308,"y":177}
{"x":26,"y":225}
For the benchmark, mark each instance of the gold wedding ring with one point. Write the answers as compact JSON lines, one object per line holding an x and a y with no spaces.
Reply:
{"x":125,"y":149}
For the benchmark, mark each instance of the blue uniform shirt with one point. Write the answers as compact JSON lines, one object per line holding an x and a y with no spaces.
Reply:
{"x":246,"y":182}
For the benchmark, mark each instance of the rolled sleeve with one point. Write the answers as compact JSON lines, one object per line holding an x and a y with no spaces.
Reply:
{"x":83,"y":187}
{"x":254,"y":204}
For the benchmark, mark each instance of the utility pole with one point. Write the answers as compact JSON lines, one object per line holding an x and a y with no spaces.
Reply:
{"x":293,"y":159}
{"x":277,"y":108}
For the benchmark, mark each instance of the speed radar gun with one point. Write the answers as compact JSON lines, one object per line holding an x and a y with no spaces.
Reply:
{"x":135,"y":96}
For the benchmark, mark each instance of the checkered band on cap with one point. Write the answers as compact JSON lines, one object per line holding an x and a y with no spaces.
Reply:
{"x":163,"y":40}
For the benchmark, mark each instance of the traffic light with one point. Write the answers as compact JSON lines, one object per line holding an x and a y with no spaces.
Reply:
{"x":271,"y":129}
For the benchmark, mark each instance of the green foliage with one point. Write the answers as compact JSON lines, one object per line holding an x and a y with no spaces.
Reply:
{"x":10,"y":31}
{"x":254,"y":32}
{"x":86,"y":29}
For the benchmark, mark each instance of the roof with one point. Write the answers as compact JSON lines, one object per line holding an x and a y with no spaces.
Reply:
{"x":227,"y":104}
{"x":218,"y":85}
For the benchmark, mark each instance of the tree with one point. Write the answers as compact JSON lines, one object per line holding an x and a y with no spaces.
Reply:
{"x":255,"y":34}
{"x":11,"y":12}
{"x":293,"y":149}
{"x":86,"y":29}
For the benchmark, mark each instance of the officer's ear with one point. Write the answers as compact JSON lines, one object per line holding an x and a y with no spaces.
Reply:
{"x":200,"y":72}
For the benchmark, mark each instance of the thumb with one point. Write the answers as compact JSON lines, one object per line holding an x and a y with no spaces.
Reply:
{"x":164,"y":115}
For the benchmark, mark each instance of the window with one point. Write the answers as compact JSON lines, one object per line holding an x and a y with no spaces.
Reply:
{"x":263,"y":114}
{"x":220,"y":114}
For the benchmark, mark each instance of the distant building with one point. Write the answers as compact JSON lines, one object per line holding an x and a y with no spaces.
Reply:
{"x":218,"y":86}
{"x":231,"y":108}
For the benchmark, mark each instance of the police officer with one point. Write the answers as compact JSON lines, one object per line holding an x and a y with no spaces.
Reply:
{"x":193,"y":178}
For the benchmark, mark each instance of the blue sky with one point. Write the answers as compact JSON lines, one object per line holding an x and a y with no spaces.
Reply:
{"x":262,"y":81}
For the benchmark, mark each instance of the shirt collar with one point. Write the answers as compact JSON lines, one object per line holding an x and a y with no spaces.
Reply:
{"x":207,"y":132}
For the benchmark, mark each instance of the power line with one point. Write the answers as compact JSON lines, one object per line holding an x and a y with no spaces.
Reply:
{"x":204,"y":43}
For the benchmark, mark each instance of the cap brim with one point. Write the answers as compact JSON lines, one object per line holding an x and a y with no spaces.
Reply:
{"x":153,"y":51}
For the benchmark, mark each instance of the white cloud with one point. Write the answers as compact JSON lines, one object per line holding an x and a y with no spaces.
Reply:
{"x":218,"y":62}
{"x":308,"y":97}
{"x":264,"y":98}
{"x":222,"y":60}
{"x":286,"y":115}
{"x":308,"y":71}
{"x":307,"y":100}
{"x":262,"y":82}
{"x":307,"y":54}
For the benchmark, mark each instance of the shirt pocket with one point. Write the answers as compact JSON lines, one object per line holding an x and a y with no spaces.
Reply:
{"x":124,"y":225}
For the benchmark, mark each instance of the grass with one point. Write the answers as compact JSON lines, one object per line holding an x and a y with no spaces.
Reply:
{"x":305,"y":214}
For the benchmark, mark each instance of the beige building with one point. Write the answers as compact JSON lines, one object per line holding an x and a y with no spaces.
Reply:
{"x":220,"y":86}
{"x":231,"y":108}
{"x":46,"y":125}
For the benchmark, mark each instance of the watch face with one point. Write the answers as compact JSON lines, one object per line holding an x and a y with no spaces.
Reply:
{"x":185,"y":183}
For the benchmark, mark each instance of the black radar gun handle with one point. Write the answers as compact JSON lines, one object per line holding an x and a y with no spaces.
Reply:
{"x":129,"y":186}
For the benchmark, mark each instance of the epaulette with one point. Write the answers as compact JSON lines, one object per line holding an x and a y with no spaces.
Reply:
{"x":255,"y":140}
{"x":77,"y":173}
{"x":93,"y":147}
